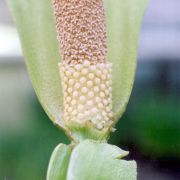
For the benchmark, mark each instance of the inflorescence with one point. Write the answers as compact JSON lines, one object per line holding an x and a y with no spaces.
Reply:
{"x":85,"y":73}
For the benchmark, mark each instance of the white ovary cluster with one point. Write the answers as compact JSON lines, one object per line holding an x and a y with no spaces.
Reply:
{"x":87,"y":90}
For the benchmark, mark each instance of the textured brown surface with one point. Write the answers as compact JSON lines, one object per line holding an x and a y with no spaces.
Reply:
{"x":81,"y":30}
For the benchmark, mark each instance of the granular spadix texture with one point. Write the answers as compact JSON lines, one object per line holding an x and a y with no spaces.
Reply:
{"x":81,"y":30}
{"x":85,"y":73}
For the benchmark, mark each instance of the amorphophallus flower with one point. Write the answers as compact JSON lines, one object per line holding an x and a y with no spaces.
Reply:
{"x":94,"y":42}
{"x":86,"y":75}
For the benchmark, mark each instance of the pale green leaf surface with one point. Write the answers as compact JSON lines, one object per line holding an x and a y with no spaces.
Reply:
{"x":36,"y":28}
{"x":92,"y":160}
{"x":123,"y":19}
{"x":59,"y":162}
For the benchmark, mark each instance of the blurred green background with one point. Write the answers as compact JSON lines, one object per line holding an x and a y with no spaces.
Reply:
{"x":150,"y":128}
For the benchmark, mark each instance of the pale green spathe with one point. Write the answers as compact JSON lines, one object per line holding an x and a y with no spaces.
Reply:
{"x":123,"y":19}
{"x":36,"y":27}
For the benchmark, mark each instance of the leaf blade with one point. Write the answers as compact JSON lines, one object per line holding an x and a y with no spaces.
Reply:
{"x":36,"y":28}
{"x":99,"y":161}
{"x":123,"y":19}
{"x":59,"y":161}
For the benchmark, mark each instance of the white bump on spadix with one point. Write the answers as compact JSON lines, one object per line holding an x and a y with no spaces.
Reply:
{"x":80,"y":107}
{"x":90,"y":103}
{"x":84,"y":71}
{"x":82,"y":79}
{"x":77,"y":86}
{"x":76,"y":74}
{"x":68,"y":99}
{"x":98,"y":99}
{"x":90,"y":94}
{"x":97,"y":80}
{"x":73,"y":102}
{"x":91,"y":76}
{"x":78,"y":67}
{"x":82,"y":98}
{"x":86,"y":63}
{"x":75,"y":93}
{"x":70,"y":90}
{"x":68,"y":73}
{"x":84,"y":90}
{"x":90,"y":83}
{"x":71,"y":81}
{"x":96,"y":89}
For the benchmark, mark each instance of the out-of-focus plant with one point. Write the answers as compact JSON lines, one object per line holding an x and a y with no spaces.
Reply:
{"x":98,"y":43}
